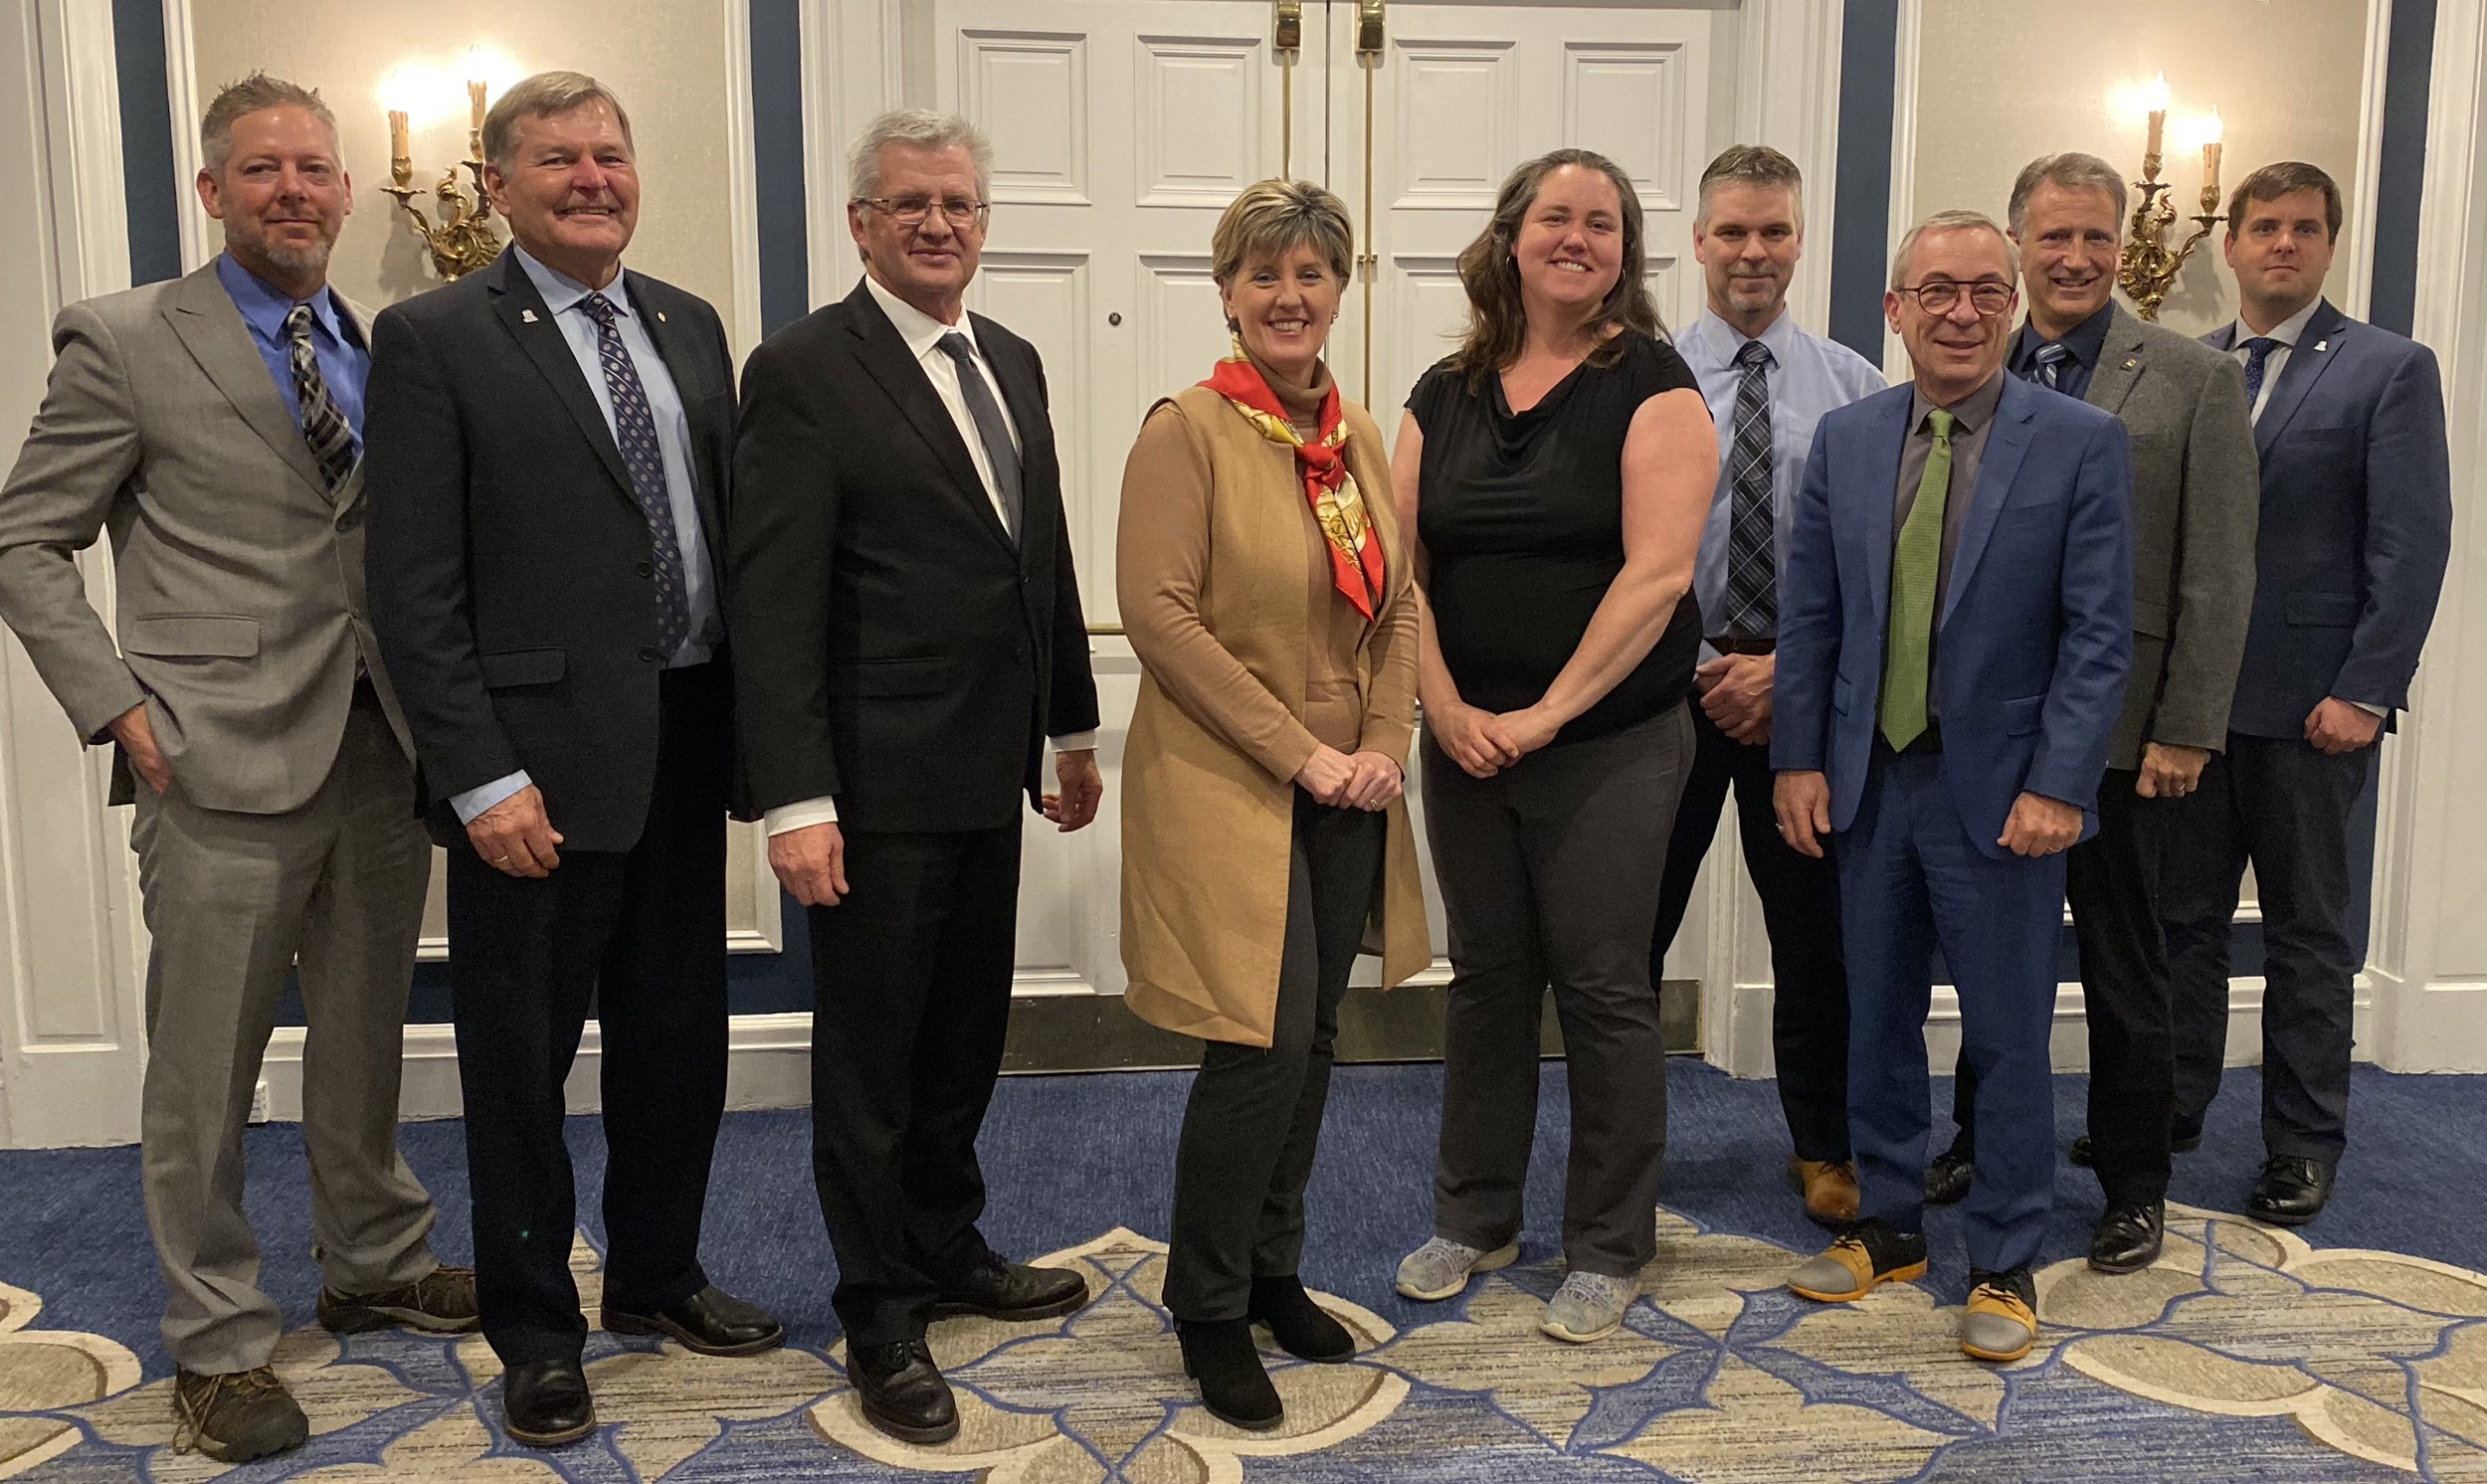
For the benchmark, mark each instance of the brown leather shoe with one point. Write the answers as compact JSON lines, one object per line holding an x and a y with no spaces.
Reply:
{"x":441,"y":1302}
{"x":237,"y":1417}
{"x":1830,"y":1188}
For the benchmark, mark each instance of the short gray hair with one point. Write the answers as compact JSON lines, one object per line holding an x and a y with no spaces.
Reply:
{"x":544,"y":95}
{"x":924,"y":129}
{"x":2073,"y":171}
{"x":249,"y":95}
{"x":1752,"y":165}
{"x":1953,"y":220}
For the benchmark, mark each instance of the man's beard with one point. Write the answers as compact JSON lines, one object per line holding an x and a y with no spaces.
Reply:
{"x":280,"y":255}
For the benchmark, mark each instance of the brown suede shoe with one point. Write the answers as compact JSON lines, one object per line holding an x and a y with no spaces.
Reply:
{"x":1830,"y":1188}
{"x":441,"y":1302}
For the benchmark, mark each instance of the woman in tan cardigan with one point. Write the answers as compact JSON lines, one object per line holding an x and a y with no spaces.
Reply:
{"x":1264,"y":838}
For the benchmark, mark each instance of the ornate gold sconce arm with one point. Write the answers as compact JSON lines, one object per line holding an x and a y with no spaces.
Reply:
{"x":461,"y":238}
{"x":2149,"y":266}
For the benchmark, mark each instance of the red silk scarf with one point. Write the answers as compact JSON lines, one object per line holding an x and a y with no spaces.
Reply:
{"x":1337,"y":504}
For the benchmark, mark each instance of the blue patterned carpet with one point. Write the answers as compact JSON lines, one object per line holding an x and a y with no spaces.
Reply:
{"x":2353,"y":1349}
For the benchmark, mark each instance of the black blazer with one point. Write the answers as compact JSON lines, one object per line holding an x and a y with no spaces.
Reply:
{"x":892,"y":649}
{"x":510,"y":568}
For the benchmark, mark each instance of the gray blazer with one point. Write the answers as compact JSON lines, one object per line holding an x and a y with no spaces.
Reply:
{"x":239,"y":576}
{"x":2195,"y":501}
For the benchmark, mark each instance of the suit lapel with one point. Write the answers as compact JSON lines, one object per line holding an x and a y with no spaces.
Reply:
{"x":2006,"y":442}
{"x":2307,"y":362}
{"x":351,"y":489}
{"x":2120,"y":364}
{"x":1890,"y":435}
{"x":885,"y":353}
{"x":530,"y":323}
{"x":211,"y":329}
{"x":680,"y":349}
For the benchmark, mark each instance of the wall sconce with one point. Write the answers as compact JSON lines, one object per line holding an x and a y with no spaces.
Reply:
{"x":2150,"y":267}
{"x":457,"y":233}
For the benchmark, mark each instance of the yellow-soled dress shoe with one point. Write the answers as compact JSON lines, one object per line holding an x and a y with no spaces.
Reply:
{"x":2001,"y":1320}
{"x":1870,"y":1253}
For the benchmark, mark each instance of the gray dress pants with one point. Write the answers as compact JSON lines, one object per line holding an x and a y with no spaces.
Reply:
{"x":1254,"y":1116}
{"x":232,"y":900}
{"x":1550,"y":875}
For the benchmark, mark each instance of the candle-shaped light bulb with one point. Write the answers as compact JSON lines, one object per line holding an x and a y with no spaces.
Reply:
{"x":2158,"y":98}
{"x":475,"y":104}
{"x":2210,"y":158}
{"x":401,"y":155}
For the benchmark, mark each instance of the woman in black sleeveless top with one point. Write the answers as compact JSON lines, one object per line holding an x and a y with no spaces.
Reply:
{"x":1556,"y":471}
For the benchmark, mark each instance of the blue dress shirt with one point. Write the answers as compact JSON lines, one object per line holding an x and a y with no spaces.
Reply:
{"x":2087,"y":342}
{"x":344,"y":364}
{"x":1809,"y":377}
{"x":566,"y":298}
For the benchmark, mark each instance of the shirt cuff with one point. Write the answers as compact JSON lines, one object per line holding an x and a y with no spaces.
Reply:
{"x":473,"y":802}
{"x":1075,"y":742}
{"x":801,"y":815}
{"x":2372,"y":709}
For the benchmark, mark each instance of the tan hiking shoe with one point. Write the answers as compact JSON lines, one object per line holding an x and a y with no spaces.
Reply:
{"x":1830,"y":1187}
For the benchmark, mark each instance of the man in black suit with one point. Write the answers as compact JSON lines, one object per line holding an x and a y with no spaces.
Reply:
{"x":550,"y":448}
{"x":906,"y":636}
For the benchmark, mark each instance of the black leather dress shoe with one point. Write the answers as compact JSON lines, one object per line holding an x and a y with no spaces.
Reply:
{"x":546,"y":1402}
{"x":2128,"y":1237}
{"x":709,"y":1322}
{"x":1013,"y":1291}
{"x":2292,"y":1191}
{"x":902,"y":1392}
{"x":1302,"y":1328}
{"x":1947,"y":1179}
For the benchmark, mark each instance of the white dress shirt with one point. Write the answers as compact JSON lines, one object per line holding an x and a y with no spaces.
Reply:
{"x":922,"y":334}
{"x":2286,"y":332}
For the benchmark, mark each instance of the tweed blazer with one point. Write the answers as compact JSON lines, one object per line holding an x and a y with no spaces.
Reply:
{"x":1208,"y":803}
{"x":239,"y":612}
{"x":2197,"y":497}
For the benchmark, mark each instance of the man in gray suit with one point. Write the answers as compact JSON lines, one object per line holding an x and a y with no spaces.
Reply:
{"x":213,"y":424}
{"x":2196,"y":504}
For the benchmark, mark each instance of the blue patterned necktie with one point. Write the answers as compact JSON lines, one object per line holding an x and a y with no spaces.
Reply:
{"x":2257,"y":360}
{"x":1751,"y":572}
{"x":635,"y":433}
{"x":2051,"y":362}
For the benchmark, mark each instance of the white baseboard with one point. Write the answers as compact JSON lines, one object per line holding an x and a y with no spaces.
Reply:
{"x":2435,"y":1027}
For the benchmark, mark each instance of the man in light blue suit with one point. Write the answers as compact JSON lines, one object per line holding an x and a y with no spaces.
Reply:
{"x":1952,"y":640}
{"x":2356,"y":527}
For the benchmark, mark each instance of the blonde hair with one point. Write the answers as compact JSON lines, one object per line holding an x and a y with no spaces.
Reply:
{"x":544,"y":95}
{"x":1271,"y":218}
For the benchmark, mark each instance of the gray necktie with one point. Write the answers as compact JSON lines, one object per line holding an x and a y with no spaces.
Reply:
{"x":1752,"y":570}
{"x":989,"y":427}
{"x":2051,"y":362}
{"x":323,"y":427}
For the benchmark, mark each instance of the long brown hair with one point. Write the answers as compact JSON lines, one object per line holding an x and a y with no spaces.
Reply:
{"x":1497,"y":323}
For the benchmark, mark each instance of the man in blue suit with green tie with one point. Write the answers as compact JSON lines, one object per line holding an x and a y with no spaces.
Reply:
{"x":1953,"y":638}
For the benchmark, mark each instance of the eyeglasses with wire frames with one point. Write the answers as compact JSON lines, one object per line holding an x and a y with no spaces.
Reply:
{"x":911,"y":211}
{"x":1938,"y":295}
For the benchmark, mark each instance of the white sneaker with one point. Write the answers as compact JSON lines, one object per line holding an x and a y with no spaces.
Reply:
{"x":1589,"y":1307}
{"x":1441,"y":1267}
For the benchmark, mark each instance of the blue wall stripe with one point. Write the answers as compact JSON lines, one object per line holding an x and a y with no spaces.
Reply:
{"x":1860,"y":232}
{"x":149,"y":194}
{"x":2401,"y":169}
{"x":776,"y":145}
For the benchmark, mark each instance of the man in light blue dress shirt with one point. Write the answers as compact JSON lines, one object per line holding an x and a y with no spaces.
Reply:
{"x":1767,"y":382}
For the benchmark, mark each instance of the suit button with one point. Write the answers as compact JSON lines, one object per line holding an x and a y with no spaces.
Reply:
{"x":646,"y":569}
{"x":650,"y":654}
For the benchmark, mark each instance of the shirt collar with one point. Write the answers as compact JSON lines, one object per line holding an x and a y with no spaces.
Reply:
{"x":2087,"y":340}
{"x":1716,"y":333}
{"x":561,"y":291}
{"x":919,"y":330}
{"x":263,"y":306}
{"x":1970,"y":414}
{"x":2288,"y":332}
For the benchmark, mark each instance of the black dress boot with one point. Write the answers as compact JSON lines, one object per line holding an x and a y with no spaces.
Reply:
{"x":1235,"y":1386}
{"x":1302,"y":1328}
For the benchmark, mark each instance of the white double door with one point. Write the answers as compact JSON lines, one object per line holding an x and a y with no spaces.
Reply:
{"x":1122,"y":128}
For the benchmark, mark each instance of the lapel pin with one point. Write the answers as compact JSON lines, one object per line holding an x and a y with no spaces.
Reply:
{"x":2322,"y":344}
{"x":661,"y":316}
{"x":527,"y":314}
{"x":2130,"y":363}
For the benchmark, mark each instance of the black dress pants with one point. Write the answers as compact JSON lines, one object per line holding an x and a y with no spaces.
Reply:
{"x":912,"y":1004}
{"x":1800,"y":909}
{"x":2284,"y":806}
{"x":1254,"y":1115}
{"x":641,"y":935}
{"x":2112,"y":880}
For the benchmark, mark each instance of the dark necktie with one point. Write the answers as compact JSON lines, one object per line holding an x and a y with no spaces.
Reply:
{"x":990,"y":428}
{"x":2051,"y":362}
{"x":323,"y":427}
{"x":2257,"y":360}
{"x":635,"y":433}
{"x":1752,"y":573}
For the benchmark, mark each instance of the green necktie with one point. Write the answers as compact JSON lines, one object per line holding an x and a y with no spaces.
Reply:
{"x":1916,"y":571}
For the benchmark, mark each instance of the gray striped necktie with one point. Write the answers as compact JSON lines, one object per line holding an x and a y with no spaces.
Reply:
{"x":2050,"y":363}
{"x":1752,"y":569}
{"x":324,"y":427}
{"x":991,"y":430}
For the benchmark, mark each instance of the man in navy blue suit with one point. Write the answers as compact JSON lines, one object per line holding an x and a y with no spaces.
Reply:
{"x":1953,"y":638}
{"x":2357,"y":526}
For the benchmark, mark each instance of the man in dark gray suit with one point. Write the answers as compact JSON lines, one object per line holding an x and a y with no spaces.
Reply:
{"x":2195,"y":499}
{"x":2357,"y":529}
{"x":213,"y":424}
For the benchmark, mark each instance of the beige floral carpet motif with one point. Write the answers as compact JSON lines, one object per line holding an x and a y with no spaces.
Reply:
{"x":44,"y":1374}
{"x":2380,"y":1356}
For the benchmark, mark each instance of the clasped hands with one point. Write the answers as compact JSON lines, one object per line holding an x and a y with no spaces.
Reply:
{"x":1483,"y":742}
{"x":2037,"y":825}
{"x":1364,"y":780}
{"x":811,"y":862}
